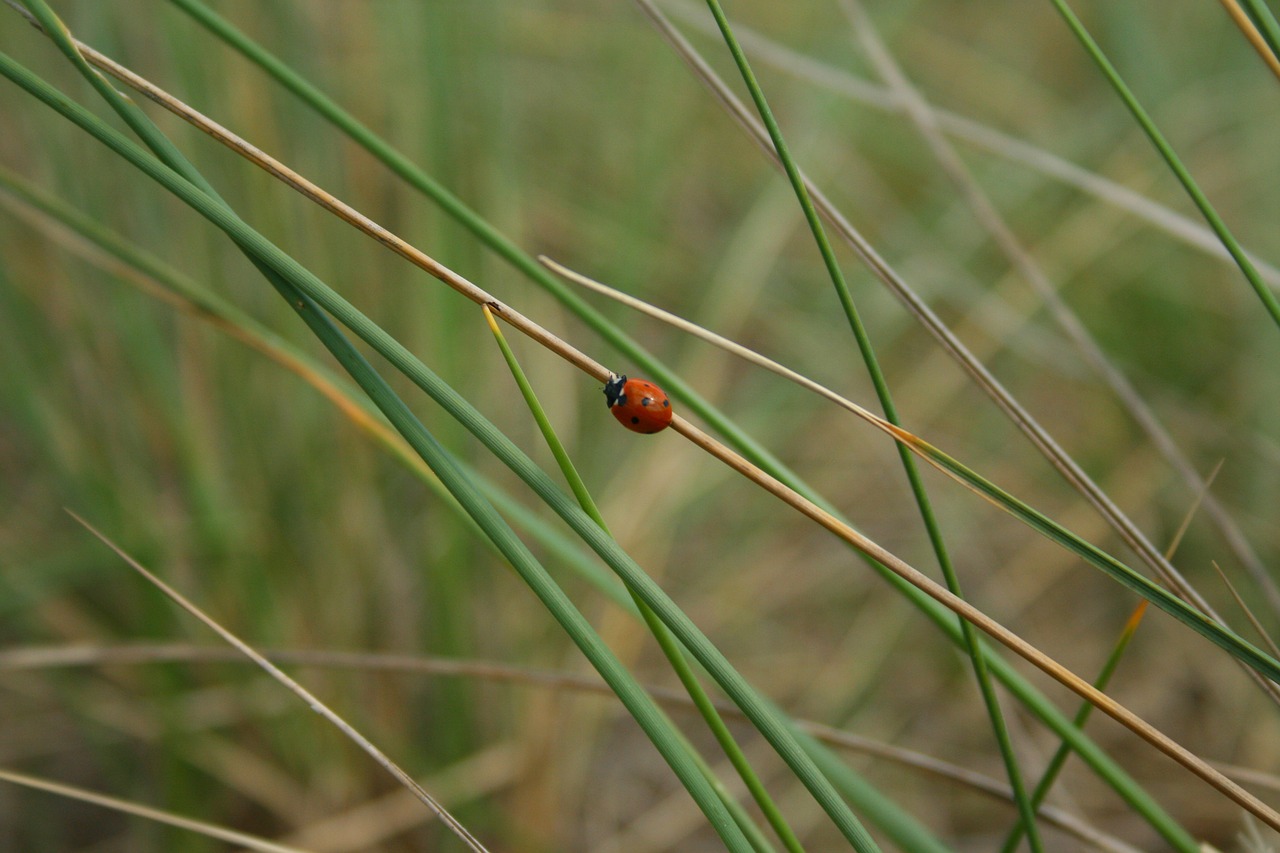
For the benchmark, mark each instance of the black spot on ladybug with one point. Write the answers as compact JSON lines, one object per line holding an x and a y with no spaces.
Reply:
{"x":634,"y":419}
{"x":666,"y":404}
{"x":645,"y":401}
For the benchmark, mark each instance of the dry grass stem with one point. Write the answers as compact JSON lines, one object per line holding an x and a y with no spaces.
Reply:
{"x":248,"y":842}
{"x":1251,"y":34}
{"x":1246,"y":609}
{"x":991,"y":627}
{"x":314,"y":703}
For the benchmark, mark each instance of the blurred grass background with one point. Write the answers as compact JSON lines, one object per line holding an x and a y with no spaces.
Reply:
{"x":577,"y":132}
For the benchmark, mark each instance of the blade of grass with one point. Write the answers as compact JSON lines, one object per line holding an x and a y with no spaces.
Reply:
{"x":1265,"y":20}
{"x":666,"y":641}
{"x":878,"y":380}
{"x":1148,"y":125}
{"x":1244,"y":608}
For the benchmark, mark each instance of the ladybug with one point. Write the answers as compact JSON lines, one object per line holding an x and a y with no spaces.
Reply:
{"x":638,"y":404}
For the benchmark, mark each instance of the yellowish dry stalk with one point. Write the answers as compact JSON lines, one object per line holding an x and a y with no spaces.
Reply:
{"x":1251,"y":34}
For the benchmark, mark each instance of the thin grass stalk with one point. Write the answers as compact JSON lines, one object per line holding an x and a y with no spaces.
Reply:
{"x":760,"y":714}
{"x":1246,"y":610}
{"x":666,"y":641}
{"x":1265,"y":19}
{"x":638,"y":703}
{"x":1148,"y":125}
{"x":297,"y":689}
{"x":985,"y":687}
{"x":209,"y":830}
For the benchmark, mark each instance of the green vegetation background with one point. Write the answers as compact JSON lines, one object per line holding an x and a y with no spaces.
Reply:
{"x":575,"y":130}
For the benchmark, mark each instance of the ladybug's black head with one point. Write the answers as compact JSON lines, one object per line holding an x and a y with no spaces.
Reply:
{"x":613,"y":388}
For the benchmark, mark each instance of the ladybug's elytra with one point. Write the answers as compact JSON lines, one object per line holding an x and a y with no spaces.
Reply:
{"x":638,"y":404}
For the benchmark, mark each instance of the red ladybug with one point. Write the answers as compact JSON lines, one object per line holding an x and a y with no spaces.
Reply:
{"x":638,"y":404}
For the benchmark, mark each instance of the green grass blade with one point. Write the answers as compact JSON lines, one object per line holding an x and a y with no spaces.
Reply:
{"x":1162,"y":145}
{"x":737,"y":688}
{"x":881,"y":384}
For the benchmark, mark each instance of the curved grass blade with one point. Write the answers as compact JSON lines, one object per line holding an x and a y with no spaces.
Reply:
{"x":240,"y":839}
